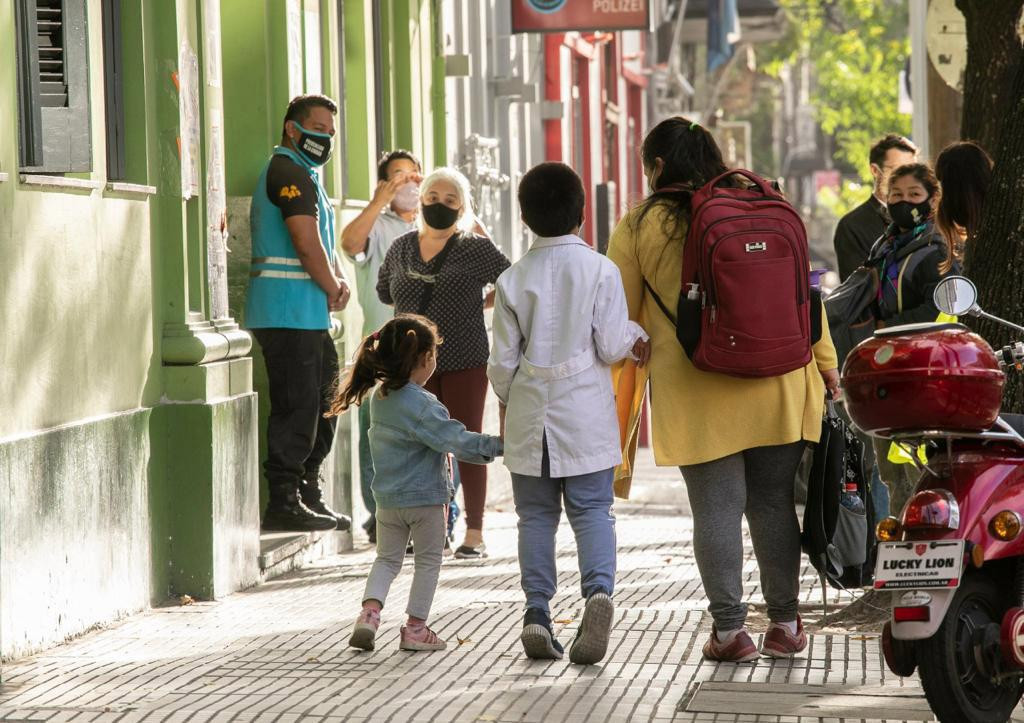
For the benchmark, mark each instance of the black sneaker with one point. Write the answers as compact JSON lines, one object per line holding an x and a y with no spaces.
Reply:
{"x":313,"y":498}
{"x":591,"y":641}
{"x":538,"y":638}
{"x":465,"y":552}
{"x":370,"y":527}
{"x":293,"y":516}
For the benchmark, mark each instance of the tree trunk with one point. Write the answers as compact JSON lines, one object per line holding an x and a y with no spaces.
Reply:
{"x":993,"y":49}
{"x":995,"y":258}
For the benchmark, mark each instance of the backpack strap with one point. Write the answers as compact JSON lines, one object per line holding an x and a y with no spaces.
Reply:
{"x":660,"y":303}
{"x":899,"y":284}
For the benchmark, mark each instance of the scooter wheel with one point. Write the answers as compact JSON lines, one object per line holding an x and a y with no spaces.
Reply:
{"x":957,"y":688}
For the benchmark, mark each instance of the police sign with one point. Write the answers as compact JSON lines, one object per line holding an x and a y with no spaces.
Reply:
{"x":549,"y":16}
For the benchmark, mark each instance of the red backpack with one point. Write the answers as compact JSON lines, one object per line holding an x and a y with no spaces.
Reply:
{"x":744,"y":307}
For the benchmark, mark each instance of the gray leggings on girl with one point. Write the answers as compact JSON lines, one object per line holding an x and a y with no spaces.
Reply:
{"x":758,"y":482}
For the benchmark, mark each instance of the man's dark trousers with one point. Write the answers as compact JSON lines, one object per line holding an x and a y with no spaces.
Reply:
{"x":302,"y":369}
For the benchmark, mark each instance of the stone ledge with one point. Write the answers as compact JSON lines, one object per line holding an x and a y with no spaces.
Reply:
{"x":132,"y":189}
{"x":60,"y":182}
{"x":283,"y":552}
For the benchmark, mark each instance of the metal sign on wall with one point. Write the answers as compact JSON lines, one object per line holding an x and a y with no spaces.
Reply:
{"x":548,"y":16}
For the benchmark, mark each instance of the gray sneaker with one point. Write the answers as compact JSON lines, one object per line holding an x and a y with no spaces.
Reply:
{"x":591,"y":641}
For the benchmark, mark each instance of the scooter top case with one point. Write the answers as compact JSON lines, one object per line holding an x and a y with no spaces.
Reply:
{"x":923,"y":377}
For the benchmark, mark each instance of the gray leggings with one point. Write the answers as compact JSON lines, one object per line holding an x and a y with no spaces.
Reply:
{"x":758,"y":482}
{"x":426,"y":527}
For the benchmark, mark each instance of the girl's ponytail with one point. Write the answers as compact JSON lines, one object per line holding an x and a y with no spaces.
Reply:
{"x":388,"y":357}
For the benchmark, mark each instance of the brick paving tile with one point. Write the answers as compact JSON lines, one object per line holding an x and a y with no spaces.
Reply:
{"x":279,"y":652}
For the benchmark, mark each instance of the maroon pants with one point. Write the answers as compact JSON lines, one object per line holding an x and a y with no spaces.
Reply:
{"x":463,"y":392}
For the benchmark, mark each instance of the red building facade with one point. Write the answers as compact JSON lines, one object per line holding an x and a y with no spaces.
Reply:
{"x":595,"y":118}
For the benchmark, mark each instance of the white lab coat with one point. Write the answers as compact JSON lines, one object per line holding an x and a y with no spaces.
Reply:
{"x":560,"y":321}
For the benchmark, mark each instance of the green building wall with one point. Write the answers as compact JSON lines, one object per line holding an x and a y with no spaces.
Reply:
{"x":127,"y":443}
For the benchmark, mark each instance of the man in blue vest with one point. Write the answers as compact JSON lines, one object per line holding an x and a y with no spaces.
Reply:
{"x":294,"y":283}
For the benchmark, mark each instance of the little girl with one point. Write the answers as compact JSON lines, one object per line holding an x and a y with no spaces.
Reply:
{"x":411,"y":435}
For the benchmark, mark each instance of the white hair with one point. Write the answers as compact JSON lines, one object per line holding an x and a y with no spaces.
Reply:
{"x":467,"y":219}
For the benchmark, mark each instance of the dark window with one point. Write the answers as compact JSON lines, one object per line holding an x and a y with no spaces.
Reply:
{"x":113,"y":89}
{"x":53,"y":86}
{"x":379,"y":87}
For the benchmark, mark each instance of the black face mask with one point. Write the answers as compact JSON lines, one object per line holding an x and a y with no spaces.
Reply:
{"x":314,"y":147}
{"x":907,"y":215}
{"x":439,"y":216}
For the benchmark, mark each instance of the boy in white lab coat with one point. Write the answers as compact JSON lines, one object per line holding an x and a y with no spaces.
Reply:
{"x":560,"y":320}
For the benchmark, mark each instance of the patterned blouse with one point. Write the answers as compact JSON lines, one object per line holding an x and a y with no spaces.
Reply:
{"x":455,"y":302}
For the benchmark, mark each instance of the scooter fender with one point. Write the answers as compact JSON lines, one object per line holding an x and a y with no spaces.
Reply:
{"x":937,"y":602}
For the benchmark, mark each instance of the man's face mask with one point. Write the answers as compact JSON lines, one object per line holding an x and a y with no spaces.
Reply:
{"x":407,"y":198}
{"x":314,"y":147}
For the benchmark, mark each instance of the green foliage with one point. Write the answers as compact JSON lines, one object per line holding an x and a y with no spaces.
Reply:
{"x":857,"y":49}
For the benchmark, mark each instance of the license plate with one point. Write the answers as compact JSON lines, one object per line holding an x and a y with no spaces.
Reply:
{"x":936,"y":564}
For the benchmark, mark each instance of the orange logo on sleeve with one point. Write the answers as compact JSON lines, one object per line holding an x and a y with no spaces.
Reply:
{"x":290,"y":192}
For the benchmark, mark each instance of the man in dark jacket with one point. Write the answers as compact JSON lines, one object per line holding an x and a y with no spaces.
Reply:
{"x":860,"y":228}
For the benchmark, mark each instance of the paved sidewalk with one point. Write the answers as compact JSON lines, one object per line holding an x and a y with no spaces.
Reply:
{"x":278,"y":652}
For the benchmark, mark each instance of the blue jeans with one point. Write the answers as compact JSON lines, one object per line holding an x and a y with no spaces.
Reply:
{"x":879,"y":496}
{"x":588,"y":505}
{"x":365,"y":459}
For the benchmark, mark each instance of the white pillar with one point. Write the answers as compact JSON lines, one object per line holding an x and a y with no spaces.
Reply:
{"x":919,"y":75}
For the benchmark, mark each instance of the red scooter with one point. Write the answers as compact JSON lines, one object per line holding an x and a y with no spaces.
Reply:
{"x":954,"y":558}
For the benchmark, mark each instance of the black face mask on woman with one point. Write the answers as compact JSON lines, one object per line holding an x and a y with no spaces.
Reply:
{"x":439,"y":216}
{"x":907,"y":215}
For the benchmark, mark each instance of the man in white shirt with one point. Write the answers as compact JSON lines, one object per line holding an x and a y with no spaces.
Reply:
{"x":391,"y":213}
{"x":560,"y":321}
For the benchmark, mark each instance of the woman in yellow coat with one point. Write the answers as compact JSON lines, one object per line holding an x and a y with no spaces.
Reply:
{"x":738,"y":441}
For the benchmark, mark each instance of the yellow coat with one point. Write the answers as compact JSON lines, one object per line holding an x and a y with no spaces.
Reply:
{"x":701,"y":416}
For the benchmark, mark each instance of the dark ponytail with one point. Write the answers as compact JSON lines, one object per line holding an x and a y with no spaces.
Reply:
{"x":965,"y":171}
{"x":690,"y":158}
{"x":387,"y":357}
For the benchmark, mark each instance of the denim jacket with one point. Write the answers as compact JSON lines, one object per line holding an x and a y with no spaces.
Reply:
{"x":411,"y":435}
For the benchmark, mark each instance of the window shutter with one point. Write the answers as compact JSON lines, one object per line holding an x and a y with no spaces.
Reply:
{"x":29,"y":119}
{"x":55,"y":85}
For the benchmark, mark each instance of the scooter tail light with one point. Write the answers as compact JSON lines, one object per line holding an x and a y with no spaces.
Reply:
{"x":915,"y":614}
{"x":934,"y":509}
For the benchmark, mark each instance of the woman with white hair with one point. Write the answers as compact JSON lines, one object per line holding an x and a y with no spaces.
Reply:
{"x":440,"y":271}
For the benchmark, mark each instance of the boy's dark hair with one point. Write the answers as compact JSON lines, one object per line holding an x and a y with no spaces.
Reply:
{"x":395,"y":155}
{"x":551,"y":198}
{"x":884,"y":145}
{"x":301,"y":105}
{"x":387,"y":356}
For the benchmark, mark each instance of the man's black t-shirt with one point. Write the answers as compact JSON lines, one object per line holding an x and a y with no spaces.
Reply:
{"x":856,"y":234}
{"x":290,"y":188}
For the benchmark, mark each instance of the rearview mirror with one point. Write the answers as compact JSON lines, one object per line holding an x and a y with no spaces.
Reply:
{"x":956,"y":295}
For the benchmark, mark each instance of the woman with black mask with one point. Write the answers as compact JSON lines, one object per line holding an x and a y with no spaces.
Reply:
{"x":911,"y":258}
{"x":911,"y":255}
{"x":440,"y":271}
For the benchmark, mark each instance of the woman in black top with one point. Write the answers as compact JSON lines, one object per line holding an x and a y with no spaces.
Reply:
{"x":911,"y":258}
{"x":441,"y":271}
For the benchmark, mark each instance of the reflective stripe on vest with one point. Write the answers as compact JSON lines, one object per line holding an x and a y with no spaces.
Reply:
{"x":271,"y":274}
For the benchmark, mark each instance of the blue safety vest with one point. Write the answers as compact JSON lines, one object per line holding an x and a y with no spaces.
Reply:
{"x":281,"y":294}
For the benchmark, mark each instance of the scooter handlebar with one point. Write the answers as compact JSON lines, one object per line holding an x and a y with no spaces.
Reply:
{"x":1011,"y":356}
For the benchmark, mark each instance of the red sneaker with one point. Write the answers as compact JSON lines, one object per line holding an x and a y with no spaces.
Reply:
{"x":780,"y":643}
{"x":739,"y":648}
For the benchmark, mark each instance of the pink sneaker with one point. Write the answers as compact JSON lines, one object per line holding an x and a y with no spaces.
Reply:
{"x":780,"y":643}
{"x":365,"y":629}
{"x":422,"y":638}
{"x":739,"y":648}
